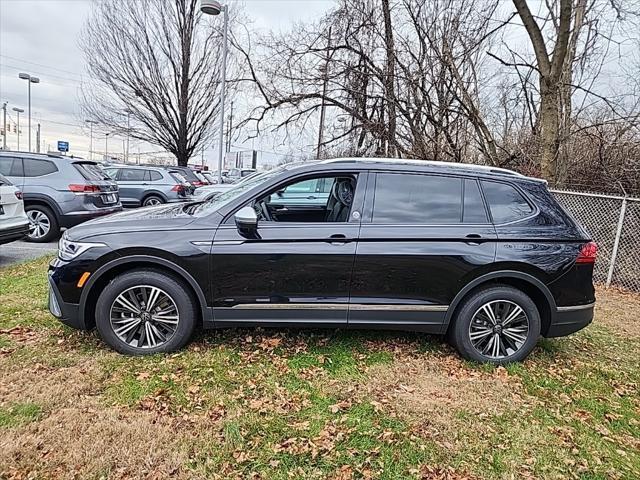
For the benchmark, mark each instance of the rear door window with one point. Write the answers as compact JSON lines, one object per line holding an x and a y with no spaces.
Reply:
{"x":132,"y":175}
{"x":37,"y":168}
{"x":405,"y":198}
{"x":506,"y":203}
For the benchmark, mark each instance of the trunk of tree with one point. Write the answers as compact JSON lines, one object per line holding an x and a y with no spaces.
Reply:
{"x":549,"y":130}
{"x":390,"y":149}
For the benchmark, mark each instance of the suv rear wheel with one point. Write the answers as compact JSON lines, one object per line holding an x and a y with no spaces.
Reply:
{"x":152,"y":200}
{"x":499,"y":325}
{"x":43,"y":224}
{"x":141,"y":312}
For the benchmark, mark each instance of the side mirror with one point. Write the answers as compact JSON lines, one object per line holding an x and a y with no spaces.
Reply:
{"x":246,"y":221}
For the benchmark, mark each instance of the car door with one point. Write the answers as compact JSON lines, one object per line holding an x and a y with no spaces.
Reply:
{"x":422,"y":235}
{"x":132,"y":185}
{"x":292,"y":272}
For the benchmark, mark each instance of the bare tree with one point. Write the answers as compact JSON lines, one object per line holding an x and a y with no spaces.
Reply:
{"x":402,"y":77}
{"x":158,"y":62}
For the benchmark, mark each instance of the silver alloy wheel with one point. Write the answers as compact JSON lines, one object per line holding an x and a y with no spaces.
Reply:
{"x":152,"y":201}
{"x":39,"y":224}
{"x":499,"y":329}
{"x":144,"y":316}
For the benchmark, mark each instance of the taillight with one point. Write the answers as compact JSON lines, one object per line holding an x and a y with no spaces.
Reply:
{"x":81,"y":188}
{"x":18,"y":194}
{"x":588,"y":253}
{"x":178,"y":188}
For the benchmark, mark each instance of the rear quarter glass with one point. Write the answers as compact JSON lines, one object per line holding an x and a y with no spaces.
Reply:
{"x":91,"y":171}
{"x":555,"y":213}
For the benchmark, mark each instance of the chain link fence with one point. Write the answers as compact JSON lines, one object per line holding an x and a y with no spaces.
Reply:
{"x":614,"y":223}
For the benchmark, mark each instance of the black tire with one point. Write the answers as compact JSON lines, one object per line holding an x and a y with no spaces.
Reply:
{"x":512,"y":351}
{"x":174,"y":288}
{"x":152,"y":200}
{"x":51,"y":219}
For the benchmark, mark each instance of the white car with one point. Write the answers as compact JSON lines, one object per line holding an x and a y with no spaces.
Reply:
{"x":14,"y":223}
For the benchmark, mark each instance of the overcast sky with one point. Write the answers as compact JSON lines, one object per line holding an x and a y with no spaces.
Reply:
{"x":40,"y":37}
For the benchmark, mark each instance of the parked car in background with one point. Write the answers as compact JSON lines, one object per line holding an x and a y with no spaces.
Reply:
{"x":59,"y":191}
{"x":188,"y":174}
{"x":482,"y":255}
{"x":212,"y":177}
{"x":145,"y":186}
{"x":237,"y":174}
{"x":211,"y":191}
{"x":14,"y":224}
{"x":202,"y":178}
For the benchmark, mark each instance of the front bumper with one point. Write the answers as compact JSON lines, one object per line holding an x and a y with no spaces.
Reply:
{"x":67,"y":313}
{"x":14,"y":233}
{"x":568,"y":320}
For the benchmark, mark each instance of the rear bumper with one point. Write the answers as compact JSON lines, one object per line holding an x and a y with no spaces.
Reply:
{"x":67,"y":313}
{"x":14,"y":233}
{"x":568,"y":320}
{"x":72,"y":219}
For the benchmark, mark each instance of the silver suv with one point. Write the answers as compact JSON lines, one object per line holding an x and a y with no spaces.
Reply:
{"x":58,"y":191}
{"x":149,"y":185}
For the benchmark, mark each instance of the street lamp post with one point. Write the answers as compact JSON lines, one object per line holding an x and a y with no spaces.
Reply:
{"x":91,"y":124}
{"x":213,"y":7}
{"x":106,"y":147}
{"x":30,"y":79}
{"x":18,"y":111}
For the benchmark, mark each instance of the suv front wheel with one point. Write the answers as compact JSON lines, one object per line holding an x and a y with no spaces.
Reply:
{"x":43,"y":224}
{"x":498,"y":324}
{"x":142,"y":312}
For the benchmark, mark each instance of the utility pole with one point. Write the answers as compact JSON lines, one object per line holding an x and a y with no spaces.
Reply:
{"x":38,"y":139}
{"x":106,"y":147}
{"x":128,"y":129}
{"x":4,"y":126}
{"x":18,"y":111}
{"x":30,"y":79}
{"x":324,"y":93}
{"x":230,"y":129}
{"x":91,"y":124}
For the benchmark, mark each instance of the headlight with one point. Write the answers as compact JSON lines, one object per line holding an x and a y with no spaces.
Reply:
{"x":68,"y":250}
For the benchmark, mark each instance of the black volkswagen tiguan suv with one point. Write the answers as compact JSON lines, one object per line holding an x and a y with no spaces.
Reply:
{"x":484,"y":256}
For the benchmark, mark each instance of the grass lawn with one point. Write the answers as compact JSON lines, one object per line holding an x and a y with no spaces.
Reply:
{"x":275,"y":404}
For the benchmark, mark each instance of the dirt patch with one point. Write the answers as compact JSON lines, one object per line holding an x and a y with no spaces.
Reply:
{"x":49,"y":386}
{"x":91,"y":441}
{"x":619,"y":310}
{"x":442,"y":392}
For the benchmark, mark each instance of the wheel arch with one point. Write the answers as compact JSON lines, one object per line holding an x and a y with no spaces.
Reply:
{"x":153,"y":193}
{"x":525,"y":282}
{"x":110,"y":270}
{"x":44,"y":201}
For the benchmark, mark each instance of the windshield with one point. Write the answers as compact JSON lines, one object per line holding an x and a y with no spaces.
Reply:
{"x":238,"y":189}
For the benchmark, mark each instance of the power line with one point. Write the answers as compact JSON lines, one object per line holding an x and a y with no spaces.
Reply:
{"x":41,"y":65}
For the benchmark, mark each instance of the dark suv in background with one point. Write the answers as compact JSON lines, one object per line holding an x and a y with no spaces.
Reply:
{"x":484,"y":256}
{"x":59,"y":191}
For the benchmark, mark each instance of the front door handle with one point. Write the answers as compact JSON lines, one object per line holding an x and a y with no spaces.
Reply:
{"x":472,"y":238}
{"x":338,"y":238}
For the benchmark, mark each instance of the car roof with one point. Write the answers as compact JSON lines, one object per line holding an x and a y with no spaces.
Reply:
{"x":135,"y":167}
{"x":427,"y":166}
{"x":44,"y":156}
